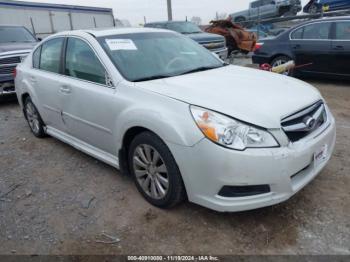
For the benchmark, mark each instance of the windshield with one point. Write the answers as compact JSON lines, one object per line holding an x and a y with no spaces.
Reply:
{"x":146,"y":56}
{"x":184,"y":27}
{"x":9,"y":34}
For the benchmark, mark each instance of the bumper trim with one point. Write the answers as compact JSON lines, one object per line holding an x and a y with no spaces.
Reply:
{"x":243,"y":191}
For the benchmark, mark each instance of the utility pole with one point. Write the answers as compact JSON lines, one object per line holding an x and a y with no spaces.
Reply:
{"x":170,"y":11}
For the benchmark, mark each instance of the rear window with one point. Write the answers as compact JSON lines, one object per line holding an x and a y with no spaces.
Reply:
{"x":298,"y":34}
{"x":36,"y":57}
{"x":51,"y":55}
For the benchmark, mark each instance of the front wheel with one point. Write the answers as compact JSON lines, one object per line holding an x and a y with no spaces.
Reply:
{"x":155,"y":172}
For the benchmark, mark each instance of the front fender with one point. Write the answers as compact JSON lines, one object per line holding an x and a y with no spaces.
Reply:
{"x":171,"y":120}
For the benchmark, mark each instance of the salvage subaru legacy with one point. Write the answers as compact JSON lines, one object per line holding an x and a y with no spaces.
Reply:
{"x":180,"y":121}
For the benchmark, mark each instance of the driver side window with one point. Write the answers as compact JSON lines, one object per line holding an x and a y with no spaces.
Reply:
{"x":82,"y":63}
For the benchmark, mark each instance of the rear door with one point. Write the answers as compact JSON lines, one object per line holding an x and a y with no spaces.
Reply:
{"x":45,"y":77}
{"x":311,"y":46}
{"x":89,"y":103}
{"x":341,"y":48}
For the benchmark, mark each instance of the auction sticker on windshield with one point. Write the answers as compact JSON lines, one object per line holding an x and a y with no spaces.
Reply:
{"x":121,"y":44}
{"x":320,"y":155}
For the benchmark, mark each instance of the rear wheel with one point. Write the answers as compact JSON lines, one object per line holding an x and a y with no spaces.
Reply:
{"x":156,"y":174}
{"x":280,"y":60}
{"x":33,"y":118}
{"x":313,"y":9}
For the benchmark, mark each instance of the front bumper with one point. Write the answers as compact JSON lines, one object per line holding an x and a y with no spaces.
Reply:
{"x":207,"y":167}
{"x":222,"y":53}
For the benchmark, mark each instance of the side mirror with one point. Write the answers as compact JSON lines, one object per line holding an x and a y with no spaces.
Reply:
{"x":109,"y":81}
{"x":39,"y":39}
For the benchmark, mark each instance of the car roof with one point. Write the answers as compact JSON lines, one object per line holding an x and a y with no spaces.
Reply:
{"x":100,"y":32}
{"x":325,"y":19}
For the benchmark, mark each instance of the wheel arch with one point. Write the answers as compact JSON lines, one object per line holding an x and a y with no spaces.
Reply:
{"x":23,"y":98}
{"x":279,"y":54}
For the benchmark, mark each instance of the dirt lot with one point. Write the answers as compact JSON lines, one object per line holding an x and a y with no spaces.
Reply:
{"x":57,"y":200}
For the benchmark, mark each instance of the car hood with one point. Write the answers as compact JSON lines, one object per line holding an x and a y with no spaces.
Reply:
{"x":205,"y":37}
{"x":9,"y":47}
{"x":258,"y":97}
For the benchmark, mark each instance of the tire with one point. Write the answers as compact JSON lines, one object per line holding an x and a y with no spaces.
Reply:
{"x":313,"y":9}
{"x":279,"y":60}
{"x":33,"y":118}
{"x":159,"y":181}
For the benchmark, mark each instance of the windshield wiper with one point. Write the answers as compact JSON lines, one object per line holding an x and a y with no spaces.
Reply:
{"x":148,"y":78}
{"x":188,"y":33}
{"x":200,"y":69}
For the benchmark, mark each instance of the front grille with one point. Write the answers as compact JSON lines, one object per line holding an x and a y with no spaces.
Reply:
{"x":213,"y":45}
{"x":304,"y":122}
{"x":10,"y":60}
{"x":7,"y":70}
{"x":8,"y":64}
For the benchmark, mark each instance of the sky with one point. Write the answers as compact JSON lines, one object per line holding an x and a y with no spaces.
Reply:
{"x":156,"y":10}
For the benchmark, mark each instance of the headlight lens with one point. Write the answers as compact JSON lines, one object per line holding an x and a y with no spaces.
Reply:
{"x":229,"y":132}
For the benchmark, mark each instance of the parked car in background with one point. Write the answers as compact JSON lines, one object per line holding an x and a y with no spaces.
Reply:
{"x":267,"y":9}
{"x":237,"y":38}
{"x":323,"y":44}
{"x":182,"y":122}
{"x":15,"y":44}
{"x":316,"y":6}
{"x":213,"y":42}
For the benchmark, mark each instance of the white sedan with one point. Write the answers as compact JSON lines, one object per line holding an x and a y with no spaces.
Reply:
{"x":181,"y":122}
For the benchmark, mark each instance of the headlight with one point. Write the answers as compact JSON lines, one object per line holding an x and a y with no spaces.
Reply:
{"x":229,"y":132}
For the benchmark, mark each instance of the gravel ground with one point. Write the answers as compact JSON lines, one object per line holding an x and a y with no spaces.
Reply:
{"x":57,"y":200}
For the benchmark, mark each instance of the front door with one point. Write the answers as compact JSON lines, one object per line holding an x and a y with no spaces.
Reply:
{"x":311,"y":46}
{"x":89,"y":103}
{"x":341,"y":48}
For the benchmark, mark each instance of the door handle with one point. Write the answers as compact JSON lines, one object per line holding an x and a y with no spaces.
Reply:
{"x":296,"y":46}
{"x":65,"y":89}
{"x":338,"y":47}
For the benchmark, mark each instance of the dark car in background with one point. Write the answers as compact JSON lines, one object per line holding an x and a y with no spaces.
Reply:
{"x":15,"y":44}
{"x":316,"y":6}
{"x":318,"y":47}
{"x":214,"y":43}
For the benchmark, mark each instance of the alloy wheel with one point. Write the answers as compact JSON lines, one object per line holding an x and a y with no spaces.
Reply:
{"x":33,"y":118}
{"x":150,"y":171}
{"x":278,"y":62}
